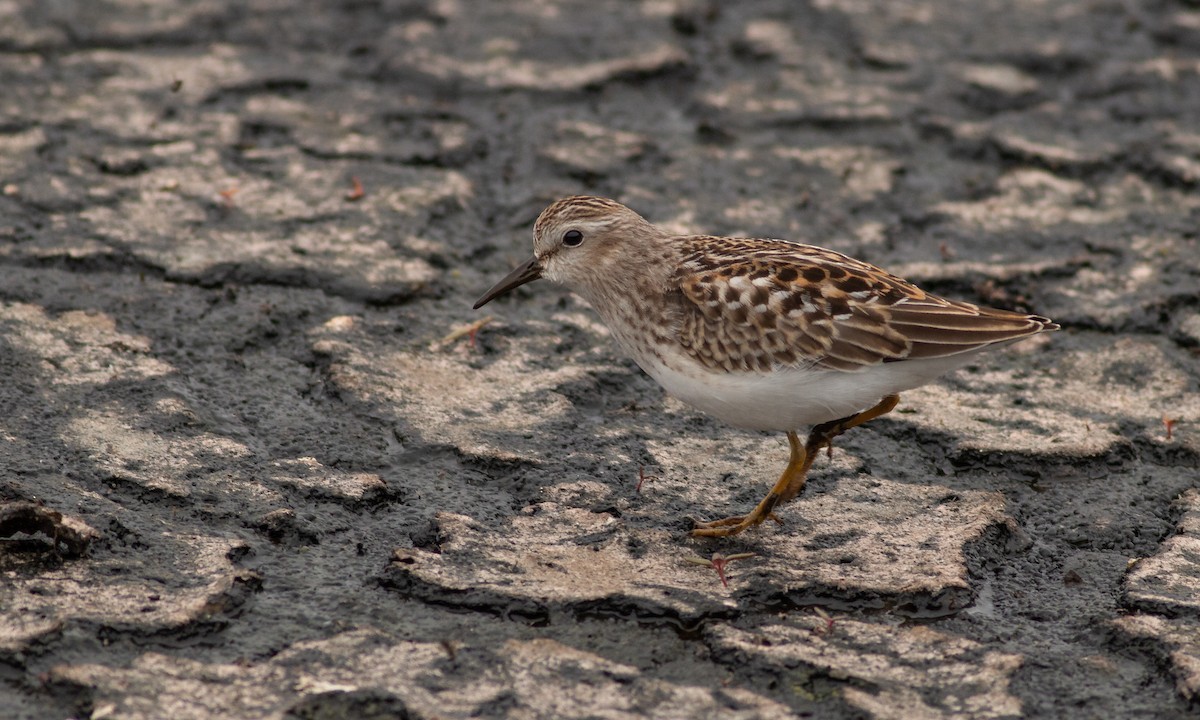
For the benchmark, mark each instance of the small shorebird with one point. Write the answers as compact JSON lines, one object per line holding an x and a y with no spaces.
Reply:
{"x":763,"y":334}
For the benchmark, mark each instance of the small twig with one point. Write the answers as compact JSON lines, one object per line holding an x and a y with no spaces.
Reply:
{"x":357,"y":193}
{"x":467,"y":331}
{"x":828,"y":622}
{"x":718,"y":562}
{"x":227,"y":195}
{"x":643,"y":477}
{"x":1169,"y":424}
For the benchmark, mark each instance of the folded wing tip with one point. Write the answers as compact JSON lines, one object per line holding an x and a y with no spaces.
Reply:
{"x":1047,"y":324}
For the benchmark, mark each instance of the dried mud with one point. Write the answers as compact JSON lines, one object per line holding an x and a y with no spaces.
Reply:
{"x":250,"y":470}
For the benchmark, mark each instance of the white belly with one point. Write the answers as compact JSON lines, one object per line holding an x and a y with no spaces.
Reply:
{"x":791,"y":398}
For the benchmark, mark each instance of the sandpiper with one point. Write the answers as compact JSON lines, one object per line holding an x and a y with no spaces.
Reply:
{"x":762,"y":334}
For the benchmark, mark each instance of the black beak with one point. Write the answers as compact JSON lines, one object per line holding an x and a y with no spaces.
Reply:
{"x":527,"y":271}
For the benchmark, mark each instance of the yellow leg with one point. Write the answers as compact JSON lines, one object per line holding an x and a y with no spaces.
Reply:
{"x":797,"y":466}
{"x":822,"y":434}
{"x":791,"y":482}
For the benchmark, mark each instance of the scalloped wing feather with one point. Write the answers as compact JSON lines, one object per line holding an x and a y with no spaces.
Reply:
{"x":754,"y":305}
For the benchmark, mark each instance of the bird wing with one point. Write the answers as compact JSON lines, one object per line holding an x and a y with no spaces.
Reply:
{"x":761,"y":304}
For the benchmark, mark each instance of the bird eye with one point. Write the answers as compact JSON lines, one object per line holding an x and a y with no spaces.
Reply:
{"x":571,"y":238}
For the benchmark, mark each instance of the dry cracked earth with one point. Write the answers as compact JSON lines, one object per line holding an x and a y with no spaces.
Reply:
{"x":254,"y":466}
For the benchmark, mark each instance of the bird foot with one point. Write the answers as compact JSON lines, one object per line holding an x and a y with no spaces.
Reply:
{"x":731,"y":525}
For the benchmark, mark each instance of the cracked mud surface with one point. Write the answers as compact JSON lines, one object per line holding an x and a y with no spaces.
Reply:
{"x":248,"y":471}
